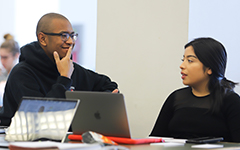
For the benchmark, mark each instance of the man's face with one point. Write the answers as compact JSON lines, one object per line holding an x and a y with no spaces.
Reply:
{"x":55,"y":43}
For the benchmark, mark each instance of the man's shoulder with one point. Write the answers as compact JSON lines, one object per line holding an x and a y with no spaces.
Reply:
{"x":81,"y":68}
{"x":78,"y":67}
{"x":20,"y":68}
{"x":32,"y":44}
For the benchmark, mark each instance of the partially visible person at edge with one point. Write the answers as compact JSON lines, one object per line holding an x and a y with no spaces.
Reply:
{"x":9,"y":53}
{"x":45,"y":68}
{"x":208,"y":106}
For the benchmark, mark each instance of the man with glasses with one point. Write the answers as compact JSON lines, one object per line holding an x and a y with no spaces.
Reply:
{"x":45,"y":68}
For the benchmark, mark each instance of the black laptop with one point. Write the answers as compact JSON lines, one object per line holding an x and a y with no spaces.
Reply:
{"x":101,"y":112}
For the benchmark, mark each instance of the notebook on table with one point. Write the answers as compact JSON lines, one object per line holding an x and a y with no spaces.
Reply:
{"x":101,"y":112}
{"x":42,"y":118}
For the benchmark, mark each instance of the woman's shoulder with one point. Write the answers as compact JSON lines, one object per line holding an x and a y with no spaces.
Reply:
{"x":231,"y":105}
{"x":231,"y":100}
{"x":178,"y":95}
{"x":232,"y":96}
{"x":182,"y":90}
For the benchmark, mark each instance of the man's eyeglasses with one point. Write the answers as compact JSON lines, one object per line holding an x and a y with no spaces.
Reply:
{"x":64,"y":36}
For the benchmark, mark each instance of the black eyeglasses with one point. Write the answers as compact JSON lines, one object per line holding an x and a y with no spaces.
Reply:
{"x":64,"y":36}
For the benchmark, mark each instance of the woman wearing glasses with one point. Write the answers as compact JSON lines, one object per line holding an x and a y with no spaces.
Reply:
{"x":45,"y":68}
{"x":208,"y":107}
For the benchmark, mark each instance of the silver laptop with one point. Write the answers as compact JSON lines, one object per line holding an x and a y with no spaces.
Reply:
{"x":42,"y":118}
{"x":101,"y":112}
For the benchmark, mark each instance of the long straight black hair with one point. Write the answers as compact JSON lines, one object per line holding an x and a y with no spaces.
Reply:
{"x":214,"y":56}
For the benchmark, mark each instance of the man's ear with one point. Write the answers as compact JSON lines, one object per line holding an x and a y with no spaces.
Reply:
{"x":42,"y":39}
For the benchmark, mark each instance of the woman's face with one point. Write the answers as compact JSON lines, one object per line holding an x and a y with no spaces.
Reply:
{"x":7,"y":59}
{"x":192,"y":70}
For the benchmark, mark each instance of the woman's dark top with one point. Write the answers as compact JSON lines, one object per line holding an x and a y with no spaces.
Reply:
{"x":185,"y":115}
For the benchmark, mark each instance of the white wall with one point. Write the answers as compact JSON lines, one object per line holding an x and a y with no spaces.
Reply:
{"x":20,"y":17}
{"x":140,"y":46}
{"x":83,"y":13}
{"x":6,"y":12}
{"x":220,"y":20}
{"x":27,"y":14}
{"x":6,"y":24}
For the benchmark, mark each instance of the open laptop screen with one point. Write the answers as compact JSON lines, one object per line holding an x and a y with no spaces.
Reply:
{"x":41,"y":118}
{"x":101,"y":112}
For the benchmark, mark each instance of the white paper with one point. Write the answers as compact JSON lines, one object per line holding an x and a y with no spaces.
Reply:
{"x":168,"y":144}
{"x":175,"y":140}
{"x":207,"y":146}
{"x":61,"y":146}
{"x":171,"y":140}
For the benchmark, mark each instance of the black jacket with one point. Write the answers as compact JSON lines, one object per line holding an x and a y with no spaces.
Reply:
{"x":36,"y":75}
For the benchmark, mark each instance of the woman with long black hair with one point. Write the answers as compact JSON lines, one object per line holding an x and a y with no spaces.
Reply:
{"x":208,"y":106}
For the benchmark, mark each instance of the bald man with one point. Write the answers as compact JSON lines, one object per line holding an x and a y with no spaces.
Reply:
{"x":45,"y":68}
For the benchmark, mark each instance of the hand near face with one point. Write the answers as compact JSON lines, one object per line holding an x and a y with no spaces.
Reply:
{"x":115,"y":91}
{"x":65,"y":65}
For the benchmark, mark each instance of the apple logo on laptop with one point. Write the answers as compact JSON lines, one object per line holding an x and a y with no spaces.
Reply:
{"x":97,"y":115}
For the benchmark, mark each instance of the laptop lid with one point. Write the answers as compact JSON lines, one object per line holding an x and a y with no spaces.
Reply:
{"x":42,"y":118}
{"x":101,"y":112}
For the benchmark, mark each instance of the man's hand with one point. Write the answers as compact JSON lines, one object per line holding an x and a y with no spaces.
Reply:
{"x":65,"y":65}
{"x":115,"y":91}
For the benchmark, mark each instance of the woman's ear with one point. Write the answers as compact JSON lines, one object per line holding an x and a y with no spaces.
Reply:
{"x":209,"y":71}
{"x":42,"y":39}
